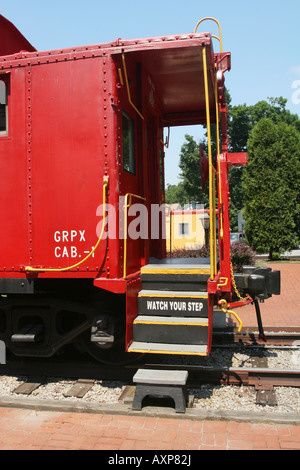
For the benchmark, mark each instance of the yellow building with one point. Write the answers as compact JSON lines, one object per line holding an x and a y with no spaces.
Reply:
{"x":185,"y":228}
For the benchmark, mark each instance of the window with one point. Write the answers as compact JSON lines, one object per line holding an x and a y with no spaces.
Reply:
{"x":3,"y":107}
{"x":128,"y":143}
{"x":184,"y":229}
{"x":161,"y":168}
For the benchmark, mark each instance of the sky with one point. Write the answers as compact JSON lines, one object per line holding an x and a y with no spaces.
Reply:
{"x":262,"y":36}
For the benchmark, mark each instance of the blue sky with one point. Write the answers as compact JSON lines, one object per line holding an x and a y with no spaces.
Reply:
{"x":262,"y":36}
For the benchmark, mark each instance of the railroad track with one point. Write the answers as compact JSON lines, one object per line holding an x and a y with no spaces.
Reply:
{"x":264,"y":381}
{"x":275,"y":336}
{"x":83,"y":374}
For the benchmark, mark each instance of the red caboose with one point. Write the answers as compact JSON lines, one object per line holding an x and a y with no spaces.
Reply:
{"x":82,"y":163}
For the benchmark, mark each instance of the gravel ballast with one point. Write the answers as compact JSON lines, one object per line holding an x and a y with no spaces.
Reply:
{"x":208,"y":397}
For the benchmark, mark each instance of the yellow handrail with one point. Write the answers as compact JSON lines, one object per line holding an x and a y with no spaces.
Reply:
{"x":30,"y":269}
{"x":225,"y":310}
{"x":216,"y":37}
{"x":212,"y":203}
{"x":126,"y":205}
{"x":218,"y":158}
{"x":127,"y":87}
{"x":166,"y":143}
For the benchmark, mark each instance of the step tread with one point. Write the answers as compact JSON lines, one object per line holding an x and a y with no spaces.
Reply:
{"x":161,"y":377}
{"x":185,"y":294}
{"x":162,"y":348}
{"x":179,"y":261}
{"x":175,"y":269}
{"x":171,"y":320}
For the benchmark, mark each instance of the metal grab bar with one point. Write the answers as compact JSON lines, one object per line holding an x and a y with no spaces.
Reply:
{"x":127,"y":86}
{"x":166,"y":143}
{"x":223,"y":305}
{"x":216,"y":37}
{"x":126,"y":206}
{"x":212,"y":177}
{"x":30,"y":269}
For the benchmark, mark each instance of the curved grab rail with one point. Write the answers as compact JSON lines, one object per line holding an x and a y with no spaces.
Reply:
{"x":219,"y":26}
{"x":128,"y":89}
{"x":223,"y":305}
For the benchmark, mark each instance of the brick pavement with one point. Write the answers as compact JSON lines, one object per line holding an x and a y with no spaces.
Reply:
{"x":279,"y":310}
{"x":33,"y":429}
{"x":42,"y":430}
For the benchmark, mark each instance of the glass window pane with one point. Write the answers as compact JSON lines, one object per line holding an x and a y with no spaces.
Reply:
{"x":128,"y":143}
{"x":3,"y":107}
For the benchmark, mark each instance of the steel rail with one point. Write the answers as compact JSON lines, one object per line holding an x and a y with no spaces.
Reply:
{"x":251,"y":336}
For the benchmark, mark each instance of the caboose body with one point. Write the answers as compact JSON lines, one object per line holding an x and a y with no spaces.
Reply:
{"x":82,"y":163}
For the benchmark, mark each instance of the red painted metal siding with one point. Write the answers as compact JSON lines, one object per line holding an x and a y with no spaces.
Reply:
{"x":67,"y":162}
{"x":14,"y":242}
{"x":53,"y":161}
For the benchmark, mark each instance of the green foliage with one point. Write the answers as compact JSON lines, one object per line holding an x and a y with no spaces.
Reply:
{"x":176,"y":194}
{"x":271,"y":183}
{"x":241,"y":121}
{"x":190,"y":171}
{"x":270,"y":196}
{"x":199,"y":252}
{"x":242,"y":255}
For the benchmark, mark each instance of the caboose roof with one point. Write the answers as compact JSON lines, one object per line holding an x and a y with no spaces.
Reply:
{"x":175,"y":63}
{"x":12,"y":40}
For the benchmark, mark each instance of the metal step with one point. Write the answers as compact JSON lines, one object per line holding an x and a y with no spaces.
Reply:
{"x":179,"y":293}
{"x":159,"y":320}
{"x":176,"y":274}
{"x":178,"y":268}
{"x":170,"y":330}
{"x":162,"y":348}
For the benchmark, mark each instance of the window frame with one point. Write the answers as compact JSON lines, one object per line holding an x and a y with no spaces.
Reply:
{"x":129,"y":165}
{"x":5,"y":78}
{"x":183,"y":225}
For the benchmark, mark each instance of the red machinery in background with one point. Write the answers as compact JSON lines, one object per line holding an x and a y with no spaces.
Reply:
{"x":81,"y":146}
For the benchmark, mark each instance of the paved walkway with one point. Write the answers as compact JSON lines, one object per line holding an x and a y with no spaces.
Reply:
{"x":28,"y":429}
{"x":43,"y":430}
{"x":279,"y":310}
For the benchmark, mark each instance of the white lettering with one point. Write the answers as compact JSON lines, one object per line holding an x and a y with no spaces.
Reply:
{"x":58,"y":255}
{"x":195,"y":306}
{"x":82,"y":237}
{"x":120,"y":460}
{"x":73,"y":252}
{"x":73,"y":234}
{"x":65,"y":235}
{"x":65,"y":252}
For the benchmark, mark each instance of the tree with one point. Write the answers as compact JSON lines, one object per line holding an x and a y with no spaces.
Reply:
{"x":271,"y":183}
{"x":190,"y":171}
{"x":241,"y":120}
{"x":176,"y":194}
